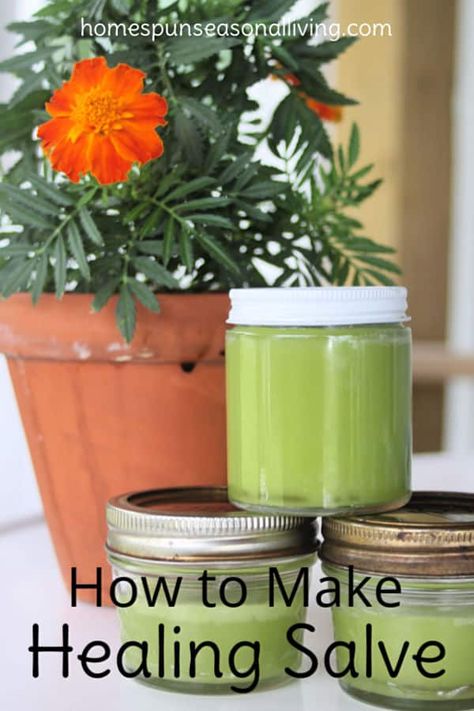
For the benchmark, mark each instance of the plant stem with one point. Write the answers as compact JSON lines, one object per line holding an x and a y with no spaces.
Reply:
{"x":126,"y":262}
{"x":164,"y":75}
{"x":169,"y":210}
{"x":60,"y":227}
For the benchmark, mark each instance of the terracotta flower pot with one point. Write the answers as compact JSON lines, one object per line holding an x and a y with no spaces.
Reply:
{"x":103,"y":417}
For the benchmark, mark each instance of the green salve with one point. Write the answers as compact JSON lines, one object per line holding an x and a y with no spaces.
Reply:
{"x":445,"y":617}
{"x":191,"y":623}
{"x":319,"y":418}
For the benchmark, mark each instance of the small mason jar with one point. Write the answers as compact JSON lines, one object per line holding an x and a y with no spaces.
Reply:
{"x":319,"y":399}
{"x":205,"y":639}
{"x":428,"y":547}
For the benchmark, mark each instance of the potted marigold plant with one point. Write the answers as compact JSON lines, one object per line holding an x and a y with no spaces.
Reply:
{"x":132,"y":202}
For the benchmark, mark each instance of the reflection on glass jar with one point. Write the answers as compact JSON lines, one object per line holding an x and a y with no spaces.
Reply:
{"x":420,"y":652}
{"x":319,"y":399}
{"x":227,"y":638}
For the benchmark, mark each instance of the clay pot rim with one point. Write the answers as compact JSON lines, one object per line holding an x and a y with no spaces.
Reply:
{"x":68,"y":295}
{"x":189,"y":328}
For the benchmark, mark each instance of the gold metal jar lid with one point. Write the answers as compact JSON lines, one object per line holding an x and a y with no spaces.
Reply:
{"x":199,"y":524}
{"x":433,"y":535}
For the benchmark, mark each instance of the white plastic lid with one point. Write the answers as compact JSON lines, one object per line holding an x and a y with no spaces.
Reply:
{"x":318,"y":306}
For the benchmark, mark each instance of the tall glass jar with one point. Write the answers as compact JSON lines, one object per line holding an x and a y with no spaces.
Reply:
{"x":428,"y":546}
{"x":171,"y":538}
{"x":319,"y":399}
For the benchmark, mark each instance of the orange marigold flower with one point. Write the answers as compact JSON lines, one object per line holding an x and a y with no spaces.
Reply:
{"x":102,"y":123}
{"x":291,"y":79}
{"x":324,"y":111}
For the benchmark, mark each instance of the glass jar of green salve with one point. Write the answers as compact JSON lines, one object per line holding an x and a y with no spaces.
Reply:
{"x":319,"y":399}
{"x":226,"y":637}
{"x":428,"y":546}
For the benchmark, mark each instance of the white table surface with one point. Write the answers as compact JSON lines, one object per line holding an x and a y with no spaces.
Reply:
{"x":32,"y":591}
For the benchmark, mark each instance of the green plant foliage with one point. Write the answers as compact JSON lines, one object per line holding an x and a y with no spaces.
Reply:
{"x":206,"y":216}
